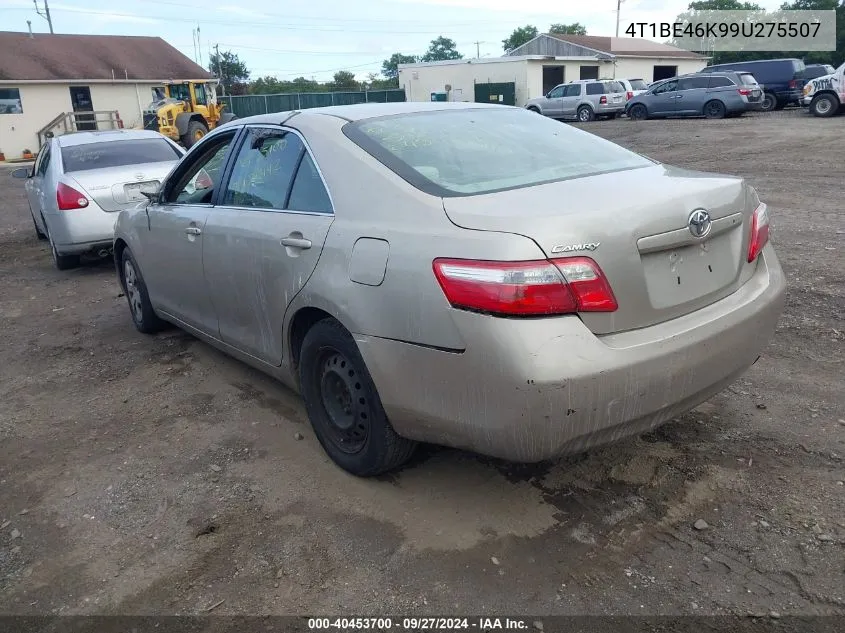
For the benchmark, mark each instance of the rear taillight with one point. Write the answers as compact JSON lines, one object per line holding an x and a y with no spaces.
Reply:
{"x":795,"y":83}
{"x":759,"y":231}
{"x":745,"y":92}
{"x":629,"y":95}
{"x":69,"y":198}
{"x":529,"y":288}
{"x":603,"y":99}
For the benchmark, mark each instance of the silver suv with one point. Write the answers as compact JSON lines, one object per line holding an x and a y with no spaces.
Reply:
{"x":582,"y":100}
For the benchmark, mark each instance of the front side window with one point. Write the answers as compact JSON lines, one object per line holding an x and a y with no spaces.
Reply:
{"x":263,"y":169}
{"x":669,"y":86}
{"x":43,"y":160}
{"x":117,"y":154}
{"x":180,"y":92}
{"x":10,"y":101}
{"x":199,"y":91}
{"x":196,"y":182}
{"x":474,"y":151}
{"x":556,"y":92}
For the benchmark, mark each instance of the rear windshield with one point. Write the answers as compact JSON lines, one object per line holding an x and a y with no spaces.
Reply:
{"x":117,"y":154}
{"x":638,"y":84}
{"x":473,"y":151}
{"x":748,"y":79}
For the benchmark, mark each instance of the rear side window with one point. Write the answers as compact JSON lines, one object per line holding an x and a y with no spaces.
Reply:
{"x":797,"y":67}
{"x":690,"y":83}
{"x":308,"y":192}
{"x":473,"y":151}
{"x":596,"y":88}
{"x":117,"y":154}
{"x":263,"y":170}
{"x":720,"y":82}
{"x":748,"y":79}
{"x":638,"y":84}
{"x":572,"y":90}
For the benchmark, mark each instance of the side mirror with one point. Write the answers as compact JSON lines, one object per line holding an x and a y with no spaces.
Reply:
{"x":20,"y":172}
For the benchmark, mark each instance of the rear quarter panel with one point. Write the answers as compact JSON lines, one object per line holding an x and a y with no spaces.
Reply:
{"x":370,"y":201}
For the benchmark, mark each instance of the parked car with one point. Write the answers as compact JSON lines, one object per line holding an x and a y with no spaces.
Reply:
{"x":455,"y":273}
{"x":781,"y":79}
{"x":79,"y":181}
{"x":713,"y":95}
{"x":583,"y":100}
{"x":812,"y":71}
{"x":825,"y":95}
{"x":633,"y":87}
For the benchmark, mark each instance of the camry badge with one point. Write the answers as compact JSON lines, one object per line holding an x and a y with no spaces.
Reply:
{"x":572,"y":248}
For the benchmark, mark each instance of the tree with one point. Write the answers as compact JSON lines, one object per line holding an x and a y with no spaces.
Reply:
{"x":345,"y":80}
{"x":266,"y":86}
{"x":390,"y":67}
{"x":441,"y":48}
{"x":519,"y":37}
{"x":576,"y":28}
{"x":231,"y":71}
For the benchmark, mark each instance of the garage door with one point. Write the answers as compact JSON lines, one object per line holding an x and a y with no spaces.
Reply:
{"x":502,"y":93}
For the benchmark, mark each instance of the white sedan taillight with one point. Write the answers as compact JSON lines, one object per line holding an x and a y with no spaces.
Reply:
{"x":759,"y":231}
{"x":69,"y":198}
{"x":529,"y":288}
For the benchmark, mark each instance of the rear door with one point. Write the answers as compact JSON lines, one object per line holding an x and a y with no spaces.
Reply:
{"x":262,"y":242}
{"x":571,"y":99}
{"x":172,"y":255}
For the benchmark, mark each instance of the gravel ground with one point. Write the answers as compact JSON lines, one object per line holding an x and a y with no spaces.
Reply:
{"x":143,"y":475}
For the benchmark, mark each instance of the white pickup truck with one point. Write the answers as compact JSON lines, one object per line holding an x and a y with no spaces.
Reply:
{"x":825,"y":96}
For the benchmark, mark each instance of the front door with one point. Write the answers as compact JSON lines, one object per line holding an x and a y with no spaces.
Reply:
{"x":263,"y":240}
{"x":553,"y":104}
{"x":173,"y":248}
{"x":662,"y":100}
{"x":80,"y":100}
{"x":35,"y":184}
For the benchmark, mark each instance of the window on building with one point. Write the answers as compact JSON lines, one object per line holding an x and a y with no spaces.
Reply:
{"x":589,"y":72}
{"x":10,"y":101}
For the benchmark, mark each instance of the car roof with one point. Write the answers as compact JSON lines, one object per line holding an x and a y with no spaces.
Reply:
{"x":84,"y":138}
{"x":363,"y":111}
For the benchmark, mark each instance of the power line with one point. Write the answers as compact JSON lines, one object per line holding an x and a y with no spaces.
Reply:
{"x":46,"y":14}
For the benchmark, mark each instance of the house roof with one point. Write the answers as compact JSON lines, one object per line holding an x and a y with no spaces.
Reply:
{"x":626,"y":46}
{"x":45,"y":57}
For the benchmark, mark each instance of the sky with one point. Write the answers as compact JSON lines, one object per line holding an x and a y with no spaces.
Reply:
{"x":316,"y":38}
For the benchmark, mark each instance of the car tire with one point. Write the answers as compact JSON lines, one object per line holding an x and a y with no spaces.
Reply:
{"x":769,"y":103}
{"x":585,"y":114}
{"x":714,"y":109}
{"x":143,"y":316}
{"x":62,"y":262}
{"x":638,"y":112}
{"x":824,"y":105}
{"x":343,"y":405}
{"x":196,"y":130}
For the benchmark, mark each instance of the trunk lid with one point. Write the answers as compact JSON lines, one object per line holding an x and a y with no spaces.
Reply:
{"x":640,"y":221}
{"x":117,"y":188}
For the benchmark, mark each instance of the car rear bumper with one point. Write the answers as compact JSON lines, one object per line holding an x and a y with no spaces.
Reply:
{"x":789,"y":96}
{"x":82,"y":230}
{"x":529,"y":390}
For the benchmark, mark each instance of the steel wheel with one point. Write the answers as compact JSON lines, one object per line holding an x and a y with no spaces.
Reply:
{"x":344,"y":401}
{"x":133,"y":293}
{"x":823,"y":105}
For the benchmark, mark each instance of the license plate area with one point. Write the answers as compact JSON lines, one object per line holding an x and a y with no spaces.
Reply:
{"x":683,"y":274}
{"x":135,"y":191}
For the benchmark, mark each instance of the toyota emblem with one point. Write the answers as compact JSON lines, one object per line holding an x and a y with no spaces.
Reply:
{"x":700,"y":223}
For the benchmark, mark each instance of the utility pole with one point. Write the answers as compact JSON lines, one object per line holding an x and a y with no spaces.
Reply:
{"x":219,"y":71}
{"x":618,"y":11}
{"x":477,"y":50}
{"x":46,"y":14}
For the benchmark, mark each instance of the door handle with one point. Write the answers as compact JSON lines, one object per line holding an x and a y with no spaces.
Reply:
{"x":296,"y":242}
{"x":193,"y":230}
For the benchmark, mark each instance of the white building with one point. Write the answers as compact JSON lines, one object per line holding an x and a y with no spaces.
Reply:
{"x":43,"y":76}
{"x":539,"y":65}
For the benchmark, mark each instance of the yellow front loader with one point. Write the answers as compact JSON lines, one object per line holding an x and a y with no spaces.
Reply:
{"x":185,"y":111}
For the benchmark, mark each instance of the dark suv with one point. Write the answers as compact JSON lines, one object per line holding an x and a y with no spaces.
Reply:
{"x":782,"y":79}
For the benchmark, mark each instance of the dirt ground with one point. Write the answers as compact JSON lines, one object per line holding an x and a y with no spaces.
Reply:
{"x":144,"y":475}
